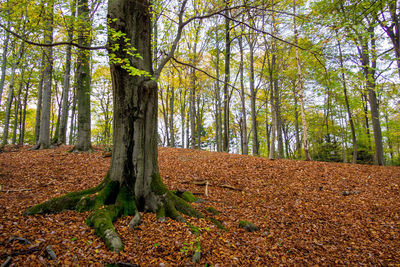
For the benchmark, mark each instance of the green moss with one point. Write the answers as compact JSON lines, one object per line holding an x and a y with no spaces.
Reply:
{"x":102,"y":222}
{"x":248,"y":226}
{"x":160,"y":214}
{"x":212,"y":210}
{"x":194,"y":229}
{"x":189,"y":197}
{"x":217,"y":223}
{"x":157,"y":186}
{"x":182,"y":206}
{"x":126,"y":202}
{"x":67,"y":202}
{"x":170,"y":209}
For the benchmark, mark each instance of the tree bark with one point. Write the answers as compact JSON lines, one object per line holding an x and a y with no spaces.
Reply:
{"x":84,"y":142}
{"x":4,"y":64}
{"x":243,"y":124}
{"x":218,"y":110}
{"x":133,"y":182}
{"x":44,"y":132}
{"x":22,"y":132}
{"x":226,"y":79}
{"x":301,"y":89}
{"x":346,"y":99}
{"x":16,"y":60}
{"x":17,"y":107}
{"x":66,"y":89}
{"x":253,"y":96}
{"x":171,"y":117}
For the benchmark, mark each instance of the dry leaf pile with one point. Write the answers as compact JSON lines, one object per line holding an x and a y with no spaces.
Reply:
{"x":308,"y":212}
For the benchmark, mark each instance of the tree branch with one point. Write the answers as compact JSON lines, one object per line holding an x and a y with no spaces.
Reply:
{"x":52,"y":44}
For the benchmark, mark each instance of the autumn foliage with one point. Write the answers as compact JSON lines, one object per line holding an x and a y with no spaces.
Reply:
{"x":307,"y":212}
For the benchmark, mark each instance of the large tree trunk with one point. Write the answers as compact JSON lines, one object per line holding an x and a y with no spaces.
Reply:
{"x":83,"y":142}
{"x":133,"y":182}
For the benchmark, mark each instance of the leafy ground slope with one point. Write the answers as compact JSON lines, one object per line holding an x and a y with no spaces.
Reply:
{"x":308,"y":212}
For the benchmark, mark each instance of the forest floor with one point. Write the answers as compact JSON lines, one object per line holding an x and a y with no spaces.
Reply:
{"x":309,"y":213}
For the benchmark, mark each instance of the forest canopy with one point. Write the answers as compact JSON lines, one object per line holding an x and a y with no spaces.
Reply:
{"x":282,"y":79}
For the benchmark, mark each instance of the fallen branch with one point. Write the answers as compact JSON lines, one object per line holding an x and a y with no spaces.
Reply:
{"x":16,"y":190}
{"x":22,"y":252}
{"x":206,"y":183}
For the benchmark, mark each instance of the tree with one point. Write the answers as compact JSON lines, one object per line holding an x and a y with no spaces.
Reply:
{"x":44,"y":131}
{"x":83,"y":142}
{"x":133,"y":182}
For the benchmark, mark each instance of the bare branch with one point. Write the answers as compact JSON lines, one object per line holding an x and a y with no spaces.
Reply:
{"x":52,"y":44}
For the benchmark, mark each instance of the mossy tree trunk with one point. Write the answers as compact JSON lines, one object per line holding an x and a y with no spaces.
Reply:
{"x":133,"y":182}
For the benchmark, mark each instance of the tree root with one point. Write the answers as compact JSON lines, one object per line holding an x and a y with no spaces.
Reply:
{"x":109,"y":201}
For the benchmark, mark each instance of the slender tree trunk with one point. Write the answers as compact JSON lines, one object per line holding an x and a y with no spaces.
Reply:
{"x":226,"y":79}
{"x":243,"y":124}
{"x":171,"y":117}
{"x":273,"y":115}
{"x":253,"y":96}
{"x":182,"y":98}
{"x":17,"y":105}
{"x":84,"y":142}
{"x":218,"y":115}
{"x":301,"y":89}
{"x":22,"y":132}
{"x":346,"y":99}
{"x":73,"y":118}
{"x":11,"y":94}
{"x":296,"y":117}
{"x":278,"y":118}
{"x":164,"y":112}
{"x":4,"y":63}
{"x":44,"y":134}
{"x":192,"y":107}
{"x":66,"y":89}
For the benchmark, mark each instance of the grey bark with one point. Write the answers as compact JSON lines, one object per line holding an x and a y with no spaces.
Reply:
{"x":301,"y":89}
{"x":134,"y":161}
{"x":171,"y":117}
{"x":218,"y":110}
{"x":243,"y":124}
{"x":182,"y":101}
{"x":17,"y":105}
{"x":44,"y":132}
{"x":226,"y":79}
{"x":4,"y":64}
{"x":16,"y":60}
{"x":83,"y":142}
{"x":353,"y":131}
{"x":66,"y":89}
{"x":368,"y":60}
{"x":253,"y":96}
{"x":73,"y":118}
{"x":22,"y":132}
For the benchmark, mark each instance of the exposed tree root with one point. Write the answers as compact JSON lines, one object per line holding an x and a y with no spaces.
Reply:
{"x":109,"y":201}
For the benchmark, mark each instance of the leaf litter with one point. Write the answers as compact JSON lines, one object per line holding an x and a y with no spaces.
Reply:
{"x":308,"y":213}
